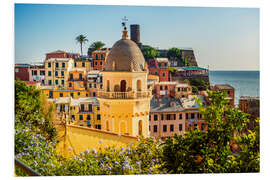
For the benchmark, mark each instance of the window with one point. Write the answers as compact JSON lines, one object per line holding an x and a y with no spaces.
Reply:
{"x":171,"y":127}
{"x":166,"y":87}
{"x":98,"y":117}
{"x":34,"y":72}
{"x":195,"y":126}
{"x":100,"y":63}
{"x":178,"y":90}
{"x":82,"y":107}
{"x":61,"y":94}
{"x":42,"y":73}
{"x":162,"y":116}
{"x":96,"y":63}
{"x":94,"y":94}
{"x":73,"y":117}
{"x":75,"y":64}
{"x":155,"y":117}
{"x":161,"y":88}
{"x":90,"y":107}
{"x":83,"y":64}
{"x":192,"y":116}
{"x":173,"y":116}
{"x":159,"y":65}
{"x":149,"y":117}
{"x":63,"y":65}
{"x":155,"y":128}
{"x":70,"y":85}
{"x":79,"y":93}
{"x":163,"y":74}
{"x":186,"y":115}
{"x":156,"y":73}
{"x":90,"y":85}
{"x":49,"y":64}
{"x":180,"y":127}
{"x":202,"y":126}
{"x":63,"y":82}
{"x":50,"y":82}
{"x":180,"y":116}
{"x":71,"y":94}
{"x":56,"y":82}
{"x":149,"y":128}
{"x":49,"y":73}
{"x":101,"y":56}
{"x":168,"y":117}
{"x":164,"y":128}
{"x":62,"y":73}
{"x":88,"y":117}
{"x":56,"y":73}
{"x":96,"y":56}
{"x":57,"y":65}
{"x":81,"y":117}
{"x":80,"y":76}
{"x":95,"y":86}
{"x":165,"y":65}
{"x":98,"y":108}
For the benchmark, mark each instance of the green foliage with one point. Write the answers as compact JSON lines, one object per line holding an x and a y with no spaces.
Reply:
{"x":211,"y":152}
{"x":32,"y":107}
{"x":200,"y":85}
{"x":172,"y":69}
{"x":149,"y":53}
{"x":95,"y":46}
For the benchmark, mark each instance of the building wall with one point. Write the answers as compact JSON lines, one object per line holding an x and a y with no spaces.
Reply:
{"x":22,"y":73}
{"x":66,"y":93}
{"x":183,"y":91}
{"x":38,"y":77}
{"x":79,"y":139}
{"x":83,"y":64}
{"x":162,"y":90}
{"x":99,"y":59}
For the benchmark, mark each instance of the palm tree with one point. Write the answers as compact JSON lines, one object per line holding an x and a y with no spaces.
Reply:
{"x":97,"y":45}
{"x":81,"y":39}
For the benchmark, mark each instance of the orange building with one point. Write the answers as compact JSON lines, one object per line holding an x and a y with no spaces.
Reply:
{"x":99,"y":58}
{"x":228,"y":89}
{"x":77,"y":79}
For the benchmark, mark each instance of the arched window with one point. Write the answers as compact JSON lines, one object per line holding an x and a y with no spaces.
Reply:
{"x":139,"y":85}
{"x":140,"y":128}
{"x":107,"y":126}
{"x":108,"y":86}
{"x":123,"y":85}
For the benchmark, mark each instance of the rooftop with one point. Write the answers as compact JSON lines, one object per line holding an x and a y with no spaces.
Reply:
{"x":249,"y":98}
{"x":182,"y":85}
{"x":223,"y":86}
{"x":165,"y":104}
{"x":59,"y":59}
{"x":190,"y":102}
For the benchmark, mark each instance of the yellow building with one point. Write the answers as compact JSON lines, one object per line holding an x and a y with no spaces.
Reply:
{"x":57,"y":71}
{"x":94,"y":82}
{"x":77,"y":79}
{"x":85,"y":112}
{"x":182,"y":90}
{"x":83,"y":63}
{"x":51,"y":92}
{"x":125,"y":98}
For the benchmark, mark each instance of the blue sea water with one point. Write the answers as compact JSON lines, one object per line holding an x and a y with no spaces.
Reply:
{"x":245,"y":83}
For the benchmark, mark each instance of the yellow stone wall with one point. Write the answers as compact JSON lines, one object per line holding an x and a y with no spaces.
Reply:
{"x":87,"y":67}
{"x":78,"y":139}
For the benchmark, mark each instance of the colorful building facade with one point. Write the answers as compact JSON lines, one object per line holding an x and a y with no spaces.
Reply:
{"x":99,"y":59}
{"x":159,"y":67}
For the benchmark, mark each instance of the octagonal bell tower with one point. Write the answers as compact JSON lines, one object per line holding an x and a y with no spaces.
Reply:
{"x":125,"y":99}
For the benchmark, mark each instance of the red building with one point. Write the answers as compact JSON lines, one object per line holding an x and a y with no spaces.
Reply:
{"x":164,"y":88}
{"x":228,"y":89}
{"x":99,"y":59}
{"x":22,"y":72}
{"x":61,"y":54}
{"x":159,"y":67}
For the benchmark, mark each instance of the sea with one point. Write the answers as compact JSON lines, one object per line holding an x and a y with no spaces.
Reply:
{"x":245,"y":83}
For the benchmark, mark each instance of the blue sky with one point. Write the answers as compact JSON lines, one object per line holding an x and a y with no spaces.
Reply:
{"x":223,"y":38}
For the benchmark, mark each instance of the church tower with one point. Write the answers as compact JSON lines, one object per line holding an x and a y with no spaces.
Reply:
{"x":125,"y":98}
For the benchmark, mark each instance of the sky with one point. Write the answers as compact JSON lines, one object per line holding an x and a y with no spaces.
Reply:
{"x":222,"y":38}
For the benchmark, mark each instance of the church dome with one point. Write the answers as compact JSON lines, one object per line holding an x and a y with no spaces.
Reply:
{"x":125,"y":56}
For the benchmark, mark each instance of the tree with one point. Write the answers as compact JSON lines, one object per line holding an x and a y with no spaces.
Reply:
{"x":97,"y":45}
{"x":211,"y":151}
{"x":199,"y":84}
{"x":149,"y":53}
{"x":174,"y":54}
{"x":81,"y":39}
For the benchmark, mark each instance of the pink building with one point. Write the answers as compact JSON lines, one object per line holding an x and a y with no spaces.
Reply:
{"x":164,"y":88}
{"x":37,"y":73}
{"x":169,"y":116}
{"x":159,"y":67}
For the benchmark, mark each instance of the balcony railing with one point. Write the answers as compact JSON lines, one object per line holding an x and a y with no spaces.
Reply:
{"x":124,"y":95}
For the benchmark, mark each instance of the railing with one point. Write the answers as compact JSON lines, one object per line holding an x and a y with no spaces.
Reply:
{"x":124,"y":95}
{"x":25,"y":168}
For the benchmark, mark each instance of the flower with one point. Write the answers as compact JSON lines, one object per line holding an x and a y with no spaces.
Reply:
{"x":138,"y":139}
{"x":100,"y":142}
{"x":94,"y":151}
{"x":70,"y":148}
{"x":81,"y":153}
{"x":86,"y":151}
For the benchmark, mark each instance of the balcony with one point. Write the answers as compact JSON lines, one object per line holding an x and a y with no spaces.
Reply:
{"x":125,"y":95}
{"x":76,"y":79}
